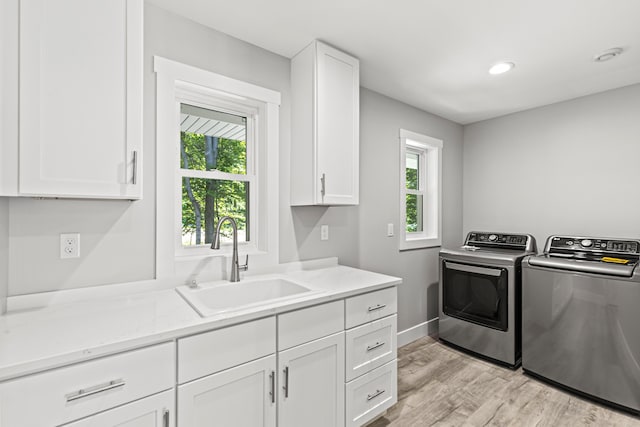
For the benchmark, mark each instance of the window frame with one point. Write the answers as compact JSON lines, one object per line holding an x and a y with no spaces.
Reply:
{"x":429,"y":150}
{"x":175,"y":83}
{"x":187,"y":95}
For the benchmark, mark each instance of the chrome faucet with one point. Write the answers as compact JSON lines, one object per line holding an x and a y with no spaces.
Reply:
{"x":235,"y":266}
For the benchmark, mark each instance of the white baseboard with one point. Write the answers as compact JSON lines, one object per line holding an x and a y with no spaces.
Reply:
{"x":430,"y":327}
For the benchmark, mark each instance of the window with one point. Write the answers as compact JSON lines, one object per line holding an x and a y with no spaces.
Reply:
{"x":217,"y":155}
{"x":216,"y":149}
{"x":420,"y":190}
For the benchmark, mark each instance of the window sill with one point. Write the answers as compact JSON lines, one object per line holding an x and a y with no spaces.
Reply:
{"x":195,"y":254}
{"x":419,"y":243}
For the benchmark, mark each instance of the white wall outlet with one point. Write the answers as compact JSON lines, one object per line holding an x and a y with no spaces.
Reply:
{"x":69,"y":245}
{"x":324,"y":232}
{"x":390,"y":229}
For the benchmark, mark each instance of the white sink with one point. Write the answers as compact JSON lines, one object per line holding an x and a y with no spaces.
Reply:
{"x":212,"y":299}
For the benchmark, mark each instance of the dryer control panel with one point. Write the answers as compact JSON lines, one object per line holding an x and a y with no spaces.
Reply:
{"x":501,"y":240}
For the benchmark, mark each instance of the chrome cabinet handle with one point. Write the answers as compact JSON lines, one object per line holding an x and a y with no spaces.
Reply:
{"x":322,"y":180}
{"x":377,"y":307}
{"x":165,"y":418}
{"x":374,"y":395}
{"x":86,"y":392}
{"x":495,"y":272}
{"x":285,"y":387}
{"x":376,"y":345}
{"x":272,"y":393}
{"x":134,"y":173}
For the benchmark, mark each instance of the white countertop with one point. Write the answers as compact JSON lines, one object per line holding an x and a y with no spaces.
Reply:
{"x":60,"y":334}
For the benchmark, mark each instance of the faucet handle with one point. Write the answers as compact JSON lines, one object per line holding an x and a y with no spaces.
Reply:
{"x":244,"y":267}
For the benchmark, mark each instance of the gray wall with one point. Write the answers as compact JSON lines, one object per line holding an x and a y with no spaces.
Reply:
{"x":567,"y":168}
{"x":380,"y":121}
{"x":118,"y":237}
{"x":4,"y":252}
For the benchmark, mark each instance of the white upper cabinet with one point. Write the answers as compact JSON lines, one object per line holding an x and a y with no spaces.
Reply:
{"x":81,"y":98}
{"x":325,"y":87}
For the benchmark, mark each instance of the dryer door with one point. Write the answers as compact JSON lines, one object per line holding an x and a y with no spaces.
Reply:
{"x":475,"y":293}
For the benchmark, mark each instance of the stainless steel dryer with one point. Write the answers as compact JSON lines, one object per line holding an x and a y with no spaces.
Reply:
{"x":581,"y":323}
{"x":480,"y":295}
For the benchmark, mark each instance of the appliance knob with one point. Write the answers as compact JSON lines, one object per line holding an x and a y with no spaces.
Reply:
{"x":586,"y":243}
{"x":493,"y":237}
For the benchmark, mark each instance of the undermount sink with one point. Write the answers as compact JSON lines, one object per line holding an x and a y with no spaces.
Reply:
{"x":209,"y":300}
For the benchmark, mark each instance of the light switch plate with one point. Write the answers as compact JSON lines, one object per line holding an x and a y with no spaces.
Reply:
{"x":390,"y":229}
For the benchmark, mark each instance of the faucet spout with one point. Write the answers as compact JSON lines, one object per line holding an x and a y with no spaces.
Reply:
{"x":235,"y":266}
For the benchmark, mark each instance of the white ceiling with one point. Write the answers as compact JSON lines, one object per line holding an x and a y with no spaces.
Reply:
{"x":434,"y":54}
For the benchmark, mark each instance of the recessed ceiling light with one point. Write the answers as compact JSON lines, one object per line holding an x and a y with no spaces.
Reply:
{"x":608,"y":54}
{"x":501,"y":67}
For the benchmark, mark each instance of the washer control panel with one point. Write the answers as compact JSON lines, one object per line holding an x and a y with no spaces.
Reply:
{"x":568,"y":244}
{"x":510,"y":241}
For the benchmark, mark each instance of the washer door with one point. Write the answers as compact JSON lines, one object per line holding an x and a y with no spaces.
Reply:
{"x":475,"y":293}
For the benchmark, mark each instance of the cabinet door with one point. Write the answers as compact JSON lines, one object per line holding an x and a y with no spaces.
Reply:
{"x":81,"y":98}
{"x":337,"y":144}
{"x":243,"y":396}
{"x":311,"y":391}
{"x":153,"y":411}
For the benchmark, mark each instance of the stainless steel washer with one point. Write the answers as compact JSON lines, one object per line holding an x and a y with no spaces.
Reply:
{"x":580,"y":317}
{"x":480,"y":295}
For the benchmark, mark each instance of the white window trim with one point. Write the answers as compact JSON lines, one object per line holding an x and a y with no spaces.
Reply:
{"x":176,"y":82}
{"x":430,"y":150}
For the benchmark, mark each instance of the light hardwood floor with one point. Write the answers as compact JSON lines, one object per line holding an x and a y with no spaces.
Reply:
{"x":440,"y":386}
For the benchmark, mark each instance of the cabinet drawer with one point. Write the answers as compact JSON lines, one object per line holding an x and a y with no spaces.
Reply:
{"x":372,"y":306}
{"x":66,"y":394}
{"x":214,"y":351}
{"x":308,"y":324}
{"x":371,"y":394}
{"x":370,"y":346}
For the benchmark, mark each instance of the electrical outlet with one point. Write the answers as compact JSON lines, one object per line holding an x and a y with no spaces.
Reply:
{"x":70,"y":245}
{"x":324,"y":232}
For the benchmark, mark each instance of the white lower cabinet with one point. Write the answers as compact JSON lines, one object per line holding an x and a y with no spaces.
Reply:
{"x":299,"y":368}
{"x":312,"y":384}
{"x":243,"y":396}
{"x":75,"y":392}
{"x":153,"y":411}
{"x":371,"y":394}
{"x":370,"y":346}
{"x":371,"y":355}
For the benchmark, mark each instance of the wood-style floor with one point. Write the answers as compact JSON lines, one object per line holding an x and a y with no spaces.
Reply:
{"x":440,"y":386}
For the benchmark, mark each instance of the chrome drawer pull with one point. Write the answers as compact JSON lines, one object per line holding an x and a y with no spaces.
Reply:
{"x":374,"y":395}
{"x":377,"y":307}
{"x":85,"y":392}
{"x":165,"y":418}
{"x":376,"y":345}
